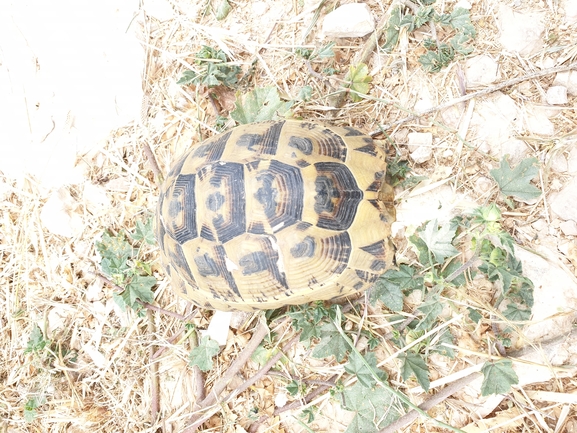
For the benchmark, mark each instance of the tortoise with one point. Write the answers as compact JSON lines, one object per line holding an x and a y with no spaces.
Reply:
{"x":276,"y":213}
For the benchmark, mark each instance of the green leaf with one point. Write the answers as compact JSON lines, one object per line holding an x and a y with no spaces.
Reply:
{"x":306,"y":318}
{"x":458,"y":42}
{"x":474,"y":315}
{"x":431,"y":309}
{"x":362,"y":372}
{"x":214,"y":70}
{"x":115,"y":252}
{"x":305,"y":93}
{"x":222,"y":10}
{"x":144,"y":232}
{"x":516,"y":314}
{"x":414,"y":364}
{"x":30,"y":407}
{"x":440,"y":348}
{"x":392,"y":30}
{"x":202,"y":354}
{"x":357,"y":80}
{"x":375,"y":408}
{"x":439,"y":241}
{"x":516,"y":182}
{"x":461,"y":21}
{"x":326,"y":51}
{"x":388,"y":292}
{"x":423,"y":16}
{"x":36,"y":341}
{"x":499,"y":376}
{"x":259,"y":105}
{"x":332,"y":343}
{"x":139,"y":287}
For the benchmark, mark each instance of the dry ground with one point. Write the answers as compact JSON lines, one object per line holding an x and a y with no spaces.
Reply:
{"x":104,"y":366}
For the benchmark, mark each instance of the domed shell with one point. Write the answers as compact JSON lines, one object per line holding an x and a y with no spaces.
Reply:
{"x":275,"y":213}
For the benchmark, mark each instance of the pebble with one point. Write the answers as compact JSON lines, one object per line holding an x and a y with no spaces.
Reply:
{"x":520,"y":32}
{"x":563,"y":202}
{"x":420,"y":144}
{"x":567,"y":79}
{"x":569,"y":228}
{"x":481,"y":71}
{"x":351,"y":20}
{"x":556,"y":95}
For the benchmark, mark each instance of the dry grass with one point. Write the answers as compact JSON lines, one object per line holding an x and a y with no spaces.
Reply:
{"x":100,"y":370}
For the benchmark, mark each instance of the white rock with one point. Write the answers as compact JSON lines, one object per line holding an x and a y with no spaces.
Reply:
{"x":520,"y":32}
{"x":259,"y":8}
{"x":567,"y":79}
{"x":495,"y":121}
{"x":422,"y":154}
{"x":540,"y":225}
{"x":555,"y":296}
{"x":351,"y":20}
{"x":483,"y":184}
{"x":556,"y":95}
{"x":569,"y":228}
{"x":481,"y":70}
{"x":218,"y":327}
{"x":537,"y":122}
{"x":572,"y":161}
{"x":570,"y":7}
{"x":418,"y":139}
{"x":559,"y":163}
{"x":563,"y":203}
{"x":59,"y":214}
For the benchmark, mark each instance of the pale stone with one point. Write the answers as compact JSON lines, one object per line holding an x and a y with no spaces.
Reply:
{"x":259,"y":8}
{"x":351,"y":20}
{"x":559,"y":163}
{"x":572,"y":161}
{"x":555,"y":296}
{"x":483,"y":184}
{"x":59,"y":214}
{"x":556,"y":95}
{"x":563,"y":203}
{"x":569,"y":228}
{"x":520,"y":32}
{"x":420,"y":144}
{"x":481,"y":71}
{"x":537,"y":122}
{"x":567,"y":79}
{"x":570,"y":7}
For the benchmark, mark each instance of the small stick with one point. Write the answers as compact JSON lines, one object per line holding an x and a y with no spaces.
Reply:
{"x":488,"y":90}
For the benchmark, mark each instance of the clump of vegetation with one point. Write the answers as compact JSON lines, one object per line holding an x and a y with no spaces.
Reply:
{"x":439,"y":52}
{"x":122,"y":263}
{"x":214,"y":70}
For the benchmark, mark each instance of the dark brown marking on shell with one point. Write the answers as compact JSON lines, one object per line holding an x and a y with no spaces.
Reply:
{"x":182,"y":209}
{"x":378,"y":265}
{"x":178,"y":261}
{"x":363,"y":275}
{"x":302,"y":163}
{"x":264,"y":144}
{"x":358,"y":285}
{"x":338,"y":249}
{"x":305,"y":248}
{"x":213,"y":150}
{"x":256,"y":227}
{"x":377,"y":249}
{"x":352,"y":132}
{"x":265,"y":260}
{"x":332,"y":145}
{"x":230,"y":178}
{"x":308,"y":125}
{"x":177,"y":167}
{"x":368,"y":149}
{"x":303,"y":225}
{"x":375,"y":203}
{"x":304,"y":144}
{"x":374,"y":186}
{"x":253,"y":165}
{"x":337,"y":196}
{"x":282,"y":207}
{"x":206,"y":233}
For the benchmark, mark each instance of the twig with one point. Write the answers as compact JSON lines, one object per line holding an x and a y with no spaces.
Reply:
{"x":430,"y":403}
{"x":234,"y":368}
{"x":488,"y":90}
{"x":155,"y":392}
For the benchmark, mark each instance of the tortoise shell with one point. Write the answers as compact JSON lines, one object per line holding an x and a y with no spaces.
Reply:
{"x":275,"y":213}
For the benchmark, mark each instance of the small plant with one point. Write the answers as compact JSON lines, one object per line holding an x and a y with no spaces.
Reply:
{"x":202,"y":354}
{"x":30,"y":407}
{"x":121,"y":262}
{"x":438,"y":274}
{"x":214,"y":70}
{"x":259,"y":105}
{"x":439,"y":52}
{"x":357,"y":81}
